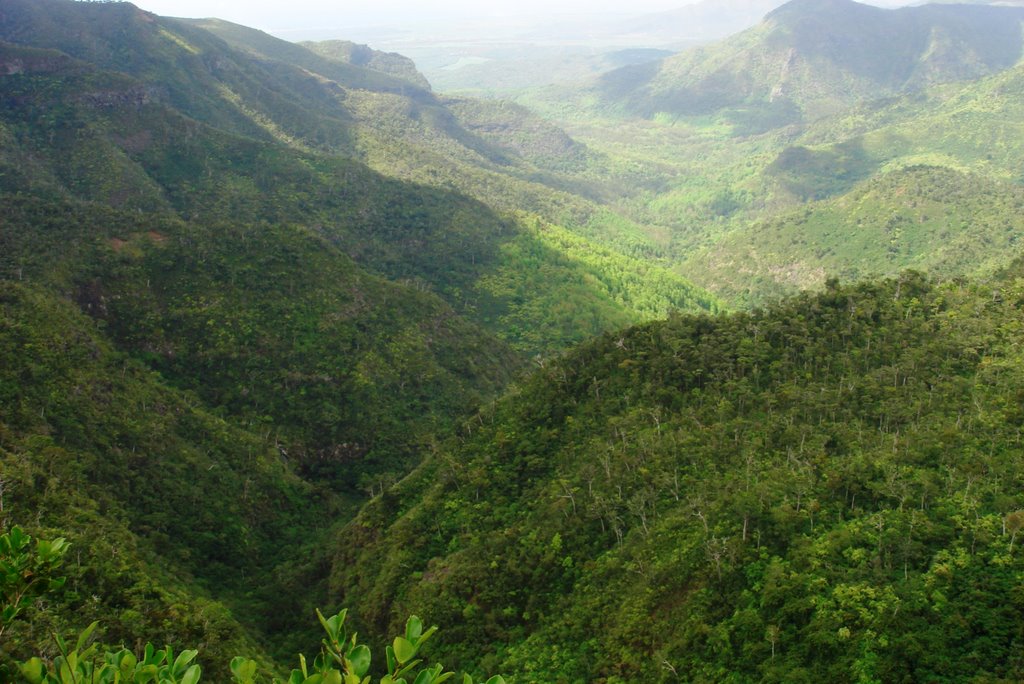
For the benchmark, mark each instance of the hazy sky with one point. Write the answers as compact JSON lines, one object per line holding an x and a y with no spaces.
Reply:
{"x":293,"y":14}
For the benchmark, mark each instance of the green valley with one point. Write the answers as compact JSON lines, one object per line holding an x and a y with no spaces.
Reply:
{"x":694,"y":366}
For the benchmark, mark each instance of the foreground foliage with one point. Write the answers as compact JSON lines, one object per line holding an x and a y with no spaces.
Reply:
{"x":29,"y":571}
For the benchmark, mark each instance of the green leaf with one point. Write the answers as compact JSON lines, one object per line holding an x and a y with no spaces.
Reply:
{"x":496,"y":679}
{"x":182,"y":661}
{"x":192,"y":675}
{"x":413,"y":628}
{"x":359,"y":657}
{"x":126,"y":663}
{"x":333,"y":625}
{"x":424,"y":677}
{"x":243,"y":669}
{"x":389,"y":655}
{"x":426,"y":635}
{"x":407,"y":668}
{"x":146,"y":673}
{"x":33,"y":670}
{"x":404,"y":650}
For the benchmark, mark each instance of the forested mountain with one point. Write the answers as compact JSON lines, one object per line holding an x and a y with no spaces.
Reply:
{"x":365,"y":56}
{"x":811,"y":58}
{"x":752,"y":203}
{"x":928,"y":181}
{"x":827,"y":490}
{"x":287,"y":327}
{"x":281,"y":327}
{"x":296,"y":112}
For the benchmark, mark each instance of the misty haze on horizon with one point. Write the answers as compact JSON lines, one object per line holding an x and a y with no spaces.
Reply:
{"x":416,"y":23}
{"x":502,"y":48}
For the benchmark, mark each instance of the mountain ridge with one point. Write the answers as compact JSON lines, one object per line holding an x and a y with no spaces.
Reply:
{"x":812,"y":58}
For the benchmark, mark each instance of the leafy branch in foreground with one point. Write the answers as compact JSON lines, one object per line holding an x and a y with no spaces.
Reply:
{"x":93,"y":665}
{"x":343,"y":660}
{"x":25,"y":572}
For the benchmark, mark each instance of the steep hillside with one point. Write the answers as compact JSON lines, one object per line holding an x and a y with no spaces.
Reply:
{"x":811,"y":58}
{"x":364,"y":56}
{"x":170,"y":508}
{"x":279,"y":117}
{"x":288,"y":328}
{"x":929,"y":181}
{"x":930,"y":218}
{"x":828,"y":490}
{"x":198,"y":379}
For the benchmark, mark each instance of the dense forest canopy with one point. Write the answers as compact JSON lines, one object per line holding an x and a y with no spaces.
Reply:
{"x":704,"y":369}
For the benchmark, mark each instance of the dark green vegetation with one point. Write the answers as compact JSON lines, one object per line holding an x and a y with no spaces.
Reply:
{"x":247,"y":287}
{"x":24,"y":566}
{"x":277,"y":116}
{"x":29,"y":570}
{"x":221,"y":328}
{"x":829,"y":490}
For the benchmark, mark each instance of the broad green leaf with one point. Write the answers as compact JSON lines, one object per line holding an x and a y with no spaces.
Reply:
{"x":182,"y":661}
{"x":404,"y":650}
{"x":126,"y":663}
{"x":413,"y":629}
{"x":243,"y":669}
{"x":84,"y":636}
{"x":191,"y":675}
{"x":146,"y":673}
{"x":496,"y":679}
{"x":33,"y":670}
{"x":359,"y":657}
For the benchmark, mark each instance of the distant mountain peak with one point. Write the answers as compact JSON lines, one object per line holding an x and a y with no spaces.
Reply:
{"x":820,"y":6}
{"x":812,"y":58}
